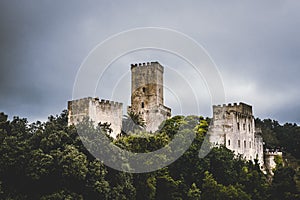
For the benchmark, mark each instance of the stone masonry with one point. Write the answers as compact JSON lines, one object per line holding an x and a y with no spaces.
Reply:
{"x":98,"y":111}
{"x":147,"y":97}
{"x":270,"y":159}
{"x":146,"y":100}
{"x":234,"y":127}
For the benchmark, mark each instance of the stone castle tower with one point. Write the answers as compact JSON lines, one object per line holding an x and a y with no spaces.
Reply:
{"x":147,"y":100}
{"x":270,"y":156}
{"x":147,"y":96}
{"x":98,"y":111}
{"x":234,"y":127}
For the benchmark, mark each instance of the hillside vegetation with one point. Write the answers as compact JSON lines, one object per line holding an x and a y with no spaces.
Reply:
{"x":48,"y":161}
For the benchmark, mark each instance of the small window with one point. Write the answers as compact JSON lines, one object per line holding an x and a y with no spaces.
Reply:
{"x":143,"y":105}
{"x":238,"y":126}
{"x":249,"y":127}
{"x":239,"y":143}
{"x":244,"y":126}
{"x":250,"y":144}
{"x":228,"y":142}
{"x":144,"y":89}
{"x":245,"y":144}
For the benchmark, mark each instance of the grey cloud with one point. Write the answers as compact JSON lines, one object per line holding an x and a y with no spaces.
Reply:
{"x":255,"y":45}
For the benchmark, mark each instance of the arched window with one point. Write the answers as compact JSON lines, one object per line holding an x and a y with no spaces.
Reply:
{"x":143,"y":105}
{"x":228,"y":142}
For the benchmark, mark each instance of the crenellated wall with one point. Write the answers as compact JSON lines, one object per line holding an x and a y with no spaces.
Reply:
{"x":270,"y":159}
{"x":147,"y":98}
{"x":234,"y":127}
{"x":98,"y":111}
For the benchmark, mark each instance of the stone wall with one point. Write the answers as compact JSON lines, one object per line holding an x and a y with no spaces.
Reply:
{"x":234,"y":127}
{"x":98,"y":111}
{"x":147,"y":94}
{"x":270,"y":159}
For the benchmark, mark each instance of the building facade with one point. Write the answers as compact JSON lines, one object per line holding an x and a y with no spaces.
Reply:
{"x":98,"y":111}
{"x":147,"y":96}
{"x":233,"y":126}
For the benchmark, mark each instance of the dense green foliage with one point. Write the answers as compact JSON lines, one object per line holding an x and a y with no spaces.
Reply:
{"x":285,"y":137}
{"x":49,"y":161}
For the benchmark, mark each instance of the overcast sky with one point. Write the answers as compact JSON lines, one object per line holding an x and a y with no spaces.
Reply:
{"x":254,"y":44}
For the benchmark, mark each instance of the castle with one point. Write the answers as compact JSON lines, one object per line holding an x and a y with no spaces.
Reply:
{"x":147,"y":100}
{"x":232,"y":125}
{"x":98,"y":111}
{"x":147,"y":96}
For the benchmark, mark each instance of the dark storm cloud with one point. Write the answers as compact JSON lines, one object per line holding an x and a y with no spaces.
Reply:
{"x":255,"y":44}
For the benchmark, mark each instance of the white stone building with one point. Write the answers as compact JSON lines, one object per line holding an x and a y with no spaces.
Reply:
{"x":98,"y":111}
{"x":233,"y":126}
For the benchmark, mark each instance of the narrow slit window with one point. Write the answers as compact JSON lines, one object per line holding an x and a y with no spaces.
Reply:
{"x":143,"y":105}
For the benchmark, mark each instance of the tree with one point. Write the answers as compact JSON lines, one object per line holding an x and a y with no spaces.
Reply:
{"x":132,"y":122}
{"x":194,"y":192}
{"x":284,"y":185}
{"x":214,"y":191}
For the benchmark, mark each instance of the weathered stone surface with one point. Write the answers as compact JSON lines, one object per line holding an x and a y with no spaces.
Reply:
{"x":147,"y":98}
{"x":234,"y":127}
{"x":98,"y":111}
{"x":270,"y":163}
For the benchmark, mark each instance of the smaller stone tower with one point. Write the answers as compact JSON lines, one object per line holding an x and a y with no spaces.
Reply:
{"x":98,"y":111}
{"x":147,"y":96}
{"x":270,"y":159}
{"x":234,"y":127}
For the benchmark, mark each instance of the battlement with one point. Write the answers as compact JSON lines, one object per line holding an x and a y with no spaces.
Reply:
{"x":147,"y":64}
{"x":241,"y":108}
{"x":98,"y":111}
{"x":273,"y":152}
{"x":84,"y":103}
{"x":143,"y":64}
{"x":107,"y":102}
{"x":232,"y":105}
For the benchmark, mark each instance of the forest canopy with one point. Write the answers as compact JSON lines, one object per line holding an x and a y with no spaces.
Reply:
{"x":47,"y":160}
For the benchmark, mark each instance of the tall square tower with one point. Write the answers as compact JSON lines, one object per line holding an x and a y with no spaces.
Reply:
{"x":147,"y":96}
